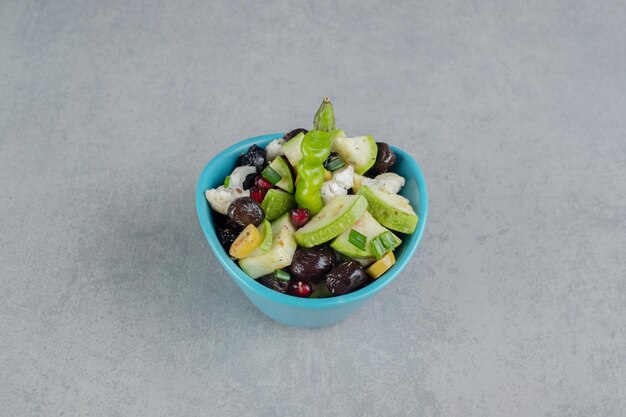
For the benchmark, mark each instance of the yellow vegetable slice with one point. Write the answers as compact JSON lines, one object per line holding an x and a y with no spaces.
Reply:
{"x":381,"y":266}
{"x":247,"y":241}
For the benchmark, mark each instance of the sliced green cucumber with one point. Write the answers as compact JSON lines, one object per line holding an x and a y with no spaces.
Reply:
{"x":368,"y":227}
{"x":391,"y":210}
{"x":276,"y":203}
{"x":339,"y":133}
{"x":292,"y":149}
{"x":278,"y":256}
{"x":366,"y":262}
{"x":336,"y":217}
{"x":279,"y":174}
{"x":357,"y":180}
{"x":360,"y":151}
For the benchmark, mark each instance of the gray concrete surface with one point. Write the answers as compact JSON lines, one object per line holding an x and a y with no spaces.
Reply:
{"x":111,"y":303}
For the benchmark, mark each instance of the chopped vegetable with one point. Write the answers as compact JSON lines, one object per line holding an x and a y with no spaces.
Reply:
{"x":324,"y":119}
{"x":279,"y":174}
{"x":388,"y":240}
{"x":282,"y":275}
{"x":357,"y":239}
{"x":315,"y":149}
{"x":247,"y":241}
{"x":377,"y":247}
{"x":271,"y":175}
{"x":381,"y":266}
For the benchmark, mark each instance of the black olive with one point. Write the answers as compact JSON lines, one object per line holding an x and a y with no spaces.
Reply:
{"x":271,"y":282}
{"x":346,"y":277}
{"x":255,"y":156}
{"x":385,"y":159}
{"x":226,"y":236}
{"x":249,"y":181}
{"x":244,"y":211}
{"x":293,"y":133}
{"x":311,"y":263}
{"x":220,"y":220}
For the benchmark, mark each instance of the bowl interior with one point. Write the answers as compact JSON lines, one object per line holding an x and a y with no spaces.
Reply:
{"x":222,"y":165}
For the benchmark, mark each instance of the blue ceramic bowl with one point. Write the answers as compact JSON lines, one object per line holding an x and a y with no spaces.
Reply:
{"x":304,"y":312}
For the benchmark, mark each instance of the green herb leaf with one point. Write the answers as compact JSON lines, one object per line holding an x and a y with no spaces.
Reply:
{"x":387,"y":239}
{"x":271,"y":175}
{"x":227,"y":182}
{"x":377,"y":247}
{"x":282,"y":275}
{"x":357,"y":239}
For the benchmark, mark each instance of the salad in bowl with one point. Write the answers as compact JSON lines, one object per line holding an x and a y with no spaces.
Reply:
{"x":314,"y":213}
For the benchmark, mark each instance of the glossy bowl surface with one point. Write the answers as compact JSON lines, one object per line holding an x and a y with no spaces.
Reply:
{"x":304,"y":312}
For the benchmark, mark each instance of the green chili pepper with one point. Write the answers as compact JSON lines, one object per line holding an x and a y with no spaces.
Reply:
{"x":310,"y":180}
{"x":316,"y":146}
{"x":315,"y":149}
{"x":324,"y":119}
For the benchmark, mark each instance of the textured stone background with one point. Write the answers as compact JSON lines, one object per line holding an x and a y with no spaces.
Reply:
{"x":112,"y":304}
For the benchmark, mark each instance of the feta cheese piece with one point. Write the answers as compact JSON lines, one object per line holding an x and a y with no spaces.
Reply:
{"x":344,"y":177}
{"x":341,"y":182}
{"x":238,"y":176}
{"x":274,"y":149}
{"x":220,"y":198}
{"x":388,"y":182}
{"x":330,"y":190}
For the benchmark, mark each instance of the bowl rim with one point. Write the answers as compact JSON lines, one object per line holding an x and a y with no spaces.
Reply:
{"x":251,"y":284}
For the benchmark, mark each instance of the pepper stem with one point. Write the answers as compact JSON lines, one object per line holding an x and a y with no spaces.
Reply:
{"x":324,"y":119}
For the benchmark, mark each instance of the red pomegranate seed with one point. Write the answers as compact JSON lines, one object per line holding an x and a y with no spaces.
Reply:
{"x":258,"y":194}
{"x":300,"y":289}
{"x":262,"y":182}
{"x":299,"y":216}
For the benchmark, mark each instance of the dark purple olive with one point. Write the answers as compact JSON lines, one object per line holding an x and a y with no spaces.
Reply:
{"x":226,"y":236}
{"x":385,"y":159}
{"x":293,"y":133}
{"x":255,"y":156}
{"x":311,"y":263}
{"x":346,"y":277}
{"x":226,"y":231}
{"x":220,"y":220}
{"x":249,"y":181}
{"x":271,"y":282}
{"x":244,"y":211}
